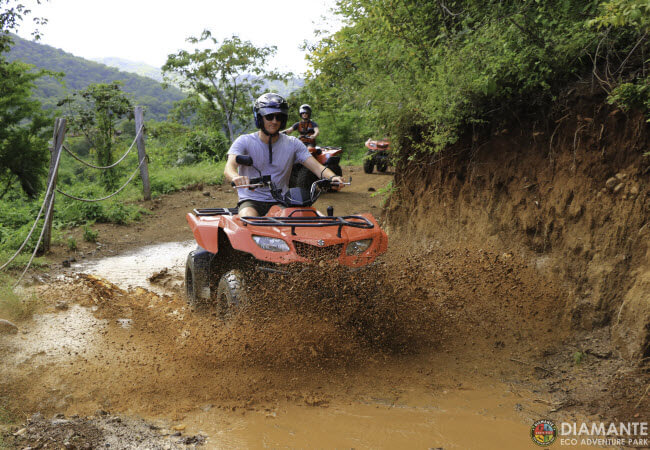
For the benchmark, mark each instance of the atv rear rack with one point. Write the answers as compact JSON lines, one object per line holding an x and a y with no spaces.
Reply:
{"x":215,"y":211}
{"x":309,"y":222}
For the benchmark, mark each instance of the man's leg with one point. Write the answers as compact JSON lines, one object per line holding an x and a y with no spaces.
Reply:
{"x":248,"y":211}
{"x":254,"y":208}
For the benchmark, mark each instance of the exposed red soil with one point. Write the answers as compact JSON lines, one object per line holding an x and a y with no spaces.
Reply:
{"x":570,"y":194}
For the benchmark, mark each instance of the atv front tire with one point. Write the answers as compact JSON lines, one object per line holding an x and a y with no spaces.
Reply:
{"x":197,"y":277}
{"x":231,"y":294}
{"x":368,"y":162}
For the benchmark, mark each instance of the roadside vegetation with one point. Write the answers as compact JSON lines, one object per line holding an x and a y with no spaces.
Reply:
{"x":426,"y":73}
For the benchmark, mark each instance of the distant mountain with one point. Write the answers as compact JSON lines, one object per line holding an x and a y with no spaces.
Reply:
{"x":139,"y":68}
{"x":155,"y":73}
{"x":293,"y":84}
{"x":79,"y":73}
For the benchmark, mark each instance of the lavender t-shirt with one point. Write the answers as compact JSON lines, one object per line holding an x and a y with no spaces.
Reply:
{"x":287,"y":151}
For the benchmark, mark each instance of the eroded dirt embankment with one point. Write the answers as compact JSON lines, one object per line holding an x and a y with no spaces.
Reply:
{"x":570,"y":194}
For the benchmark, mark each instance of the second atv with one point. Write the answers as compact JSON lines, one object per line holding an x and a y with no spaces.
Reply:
{"x":330,"y":157}
{"x":231,"y":248}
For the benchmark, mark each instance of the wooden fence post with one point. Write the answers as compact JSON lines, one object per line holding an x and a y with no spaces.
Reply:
{"x":55,"y":150}
{"x":144,"y":168}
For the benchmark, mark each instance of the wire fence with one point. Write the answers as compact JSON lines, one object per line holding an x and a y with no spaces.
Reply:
{"x":48,"y":192}
{"x":112,"y":165}
{"x":48,"y":201}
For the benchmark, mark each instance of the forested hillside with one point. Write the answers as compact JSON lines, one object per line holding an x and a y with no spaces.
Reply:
{"x":79,"y":73}
{"x":138,"y":68}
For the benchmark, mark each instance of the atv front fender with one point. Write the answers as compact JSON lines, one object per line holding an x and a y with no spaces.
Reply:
{"x":206,"y":235}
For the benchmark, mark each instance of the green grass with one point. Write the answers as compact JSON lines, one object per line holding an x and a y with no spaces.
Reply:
{"x":21,"y":260}
{"x":171,"y":179}
{"x":6,"y":418}
{"x":15,"y":307}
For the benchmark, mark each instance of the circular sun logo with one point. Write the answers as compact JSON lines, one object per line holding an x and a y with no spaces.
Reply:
{"x":543,"y":432}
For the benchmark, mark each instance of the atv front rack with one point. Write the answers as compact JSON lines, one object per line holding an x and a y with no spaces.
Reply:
{"x":309,"y":222}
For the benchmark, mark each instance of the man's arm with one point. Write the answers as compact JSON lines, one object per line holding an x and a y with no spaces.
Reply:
{"x":322,"y":172}
{"x":291,"y":129}
{"x":231,"y":173}
{"x":316,"y":131}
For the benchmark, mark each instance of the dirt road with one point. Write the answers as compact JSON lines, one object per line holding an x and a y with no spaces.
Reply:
{"x":435,"y":347}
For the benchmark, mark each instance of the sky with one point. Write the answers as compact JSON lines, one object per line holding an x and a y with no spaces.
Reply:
{"x":149,"y":30}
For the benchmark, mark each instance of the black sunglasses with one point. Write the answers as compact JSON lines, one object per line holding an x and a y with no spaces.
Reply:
{"x":276,"y":116}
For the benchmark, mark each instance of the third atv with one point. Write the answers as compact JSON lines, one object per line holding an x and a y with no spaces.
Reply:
{"x":231,"y":248}
{"x":377,"y":155}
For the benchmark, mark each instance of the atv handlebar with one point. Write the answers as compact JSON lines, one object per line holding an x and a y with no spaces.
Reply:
{"x":249,"y":186}
{"x":285,"y":198}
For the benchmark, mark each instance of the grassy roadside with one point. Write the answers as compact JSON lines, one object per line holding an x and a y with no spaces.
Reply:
{"x":15,"y":307}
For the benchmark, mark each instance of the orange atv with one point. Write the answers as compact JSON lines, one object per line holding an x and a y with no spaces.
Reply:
{"x":330,"y":157}
{"x":230,"y":247}
{"x":377,"y":155}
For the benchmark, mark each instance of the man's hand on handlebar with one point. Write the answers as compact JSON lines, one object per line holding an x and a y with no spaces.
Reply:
{"x":337,"y":183}
{"x":238,"y":181}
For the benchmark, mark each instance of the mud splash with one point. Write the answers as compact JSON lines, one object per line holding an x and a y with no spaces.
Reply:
{"x":412,"y":353}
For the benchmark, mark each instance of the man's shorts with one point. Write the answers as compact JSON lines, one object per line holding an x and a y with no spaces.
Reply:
{"x":261,"y":207}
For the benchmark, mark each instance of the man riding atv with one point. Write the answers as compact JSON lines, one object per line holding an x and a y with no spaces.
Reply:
{"x":235,"y":245}
{"x":274,"y":154}
{"x":307,"y":128}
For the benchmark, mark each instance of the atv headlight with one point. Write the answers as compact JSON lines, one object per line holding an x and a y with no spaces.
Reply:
{"x":358,"y":247}
{"x":271,"y":244}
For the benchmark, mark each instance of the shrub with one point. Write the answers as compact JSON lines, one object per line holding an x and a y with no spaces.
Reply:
{"x":205,"y":144}
{"x":90,"y":235}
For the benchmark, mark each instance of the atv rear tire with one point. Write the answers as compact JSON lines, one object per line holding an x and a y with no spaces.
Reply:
{"x":336,"y":169}
{"x":368,"y":162}
{"x":197,"y":277}
{"x":231,"y":294}
{"x":293,"y":178}
{"x":305,"y":178}
{"x":382,"y":164}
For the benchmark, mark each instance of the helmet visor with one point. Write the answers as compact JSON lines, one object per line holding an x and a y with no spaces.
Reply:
{"x":270,"y":109}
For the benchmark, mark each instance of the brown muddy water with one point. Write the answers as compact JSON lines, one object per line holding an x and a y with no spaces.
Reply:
{"x":130,"y":344}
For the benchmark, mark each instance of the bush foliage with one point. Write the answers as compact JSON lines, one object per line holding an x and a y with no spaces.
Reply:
{"x":427,"y":70}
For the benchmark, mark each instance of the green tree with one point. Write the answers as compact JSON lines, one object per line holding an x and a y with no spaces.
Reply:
{"x":228,"y":76}
{"x":95,"y":112}
{"x":23,"y":135}
{"x":194,"y":111}
{"x":618,"y":13}
{"x":23,"y":132}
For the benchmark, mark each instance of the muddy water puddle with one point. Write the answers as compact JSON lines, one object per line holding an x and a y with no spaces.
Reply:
{"x":482,"y":418}
{"x":134,"y":269}
{"x":55,"y":337}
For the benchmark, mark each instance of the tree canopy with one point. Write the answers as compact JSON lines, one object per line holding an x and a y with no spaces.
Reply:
{"x":227,"y":75}
{"x":428,"y":70}
{"x":95,"y":111}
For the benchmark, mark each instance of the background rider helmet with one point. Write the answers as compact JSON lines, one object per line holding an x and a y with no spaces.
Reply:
{"x":305,"y":109}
